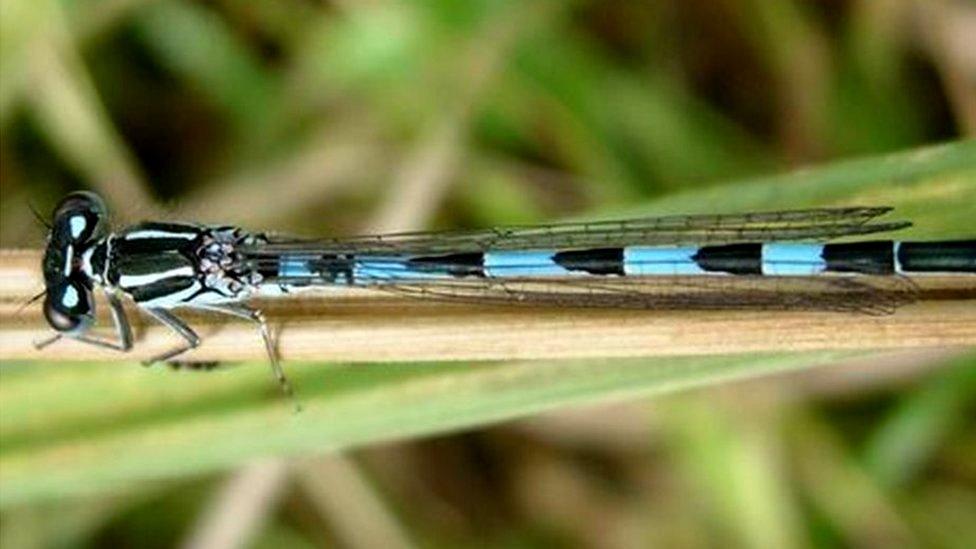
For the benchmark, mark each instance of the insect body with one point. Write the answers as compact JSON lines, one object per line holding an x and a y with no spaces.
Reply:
{"x":765,"y":261}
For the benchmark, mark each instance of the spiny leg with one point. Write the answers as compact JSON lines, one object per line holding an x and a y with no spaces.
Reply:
{"x":174,"y":323}
{"x":254,"y":315}
{"x":123,"y":330}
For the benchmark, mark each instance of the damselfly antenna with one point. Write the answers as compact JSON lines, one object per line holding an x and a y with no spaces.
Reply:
{"x":30,"y":302}
{"x":37,"y":215}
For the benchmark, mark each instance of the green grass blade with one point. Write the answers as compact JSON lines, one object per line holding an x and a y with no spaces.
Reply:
{"x":79,"y":427}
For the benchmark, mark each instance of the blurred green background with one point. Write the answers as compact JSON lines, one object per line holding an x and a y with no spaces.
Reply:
{"x":341,"y":116}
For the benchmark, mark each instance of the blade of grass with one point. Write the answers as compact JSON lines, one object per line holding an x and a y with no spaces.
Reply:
{"x":840,"y":487}
{"x":81,"y":427}
{"x":903,"y":443}
{"x":198,"y":46}
{"x":67,"y":106}
{"x":734,"y":458}
{"x":931,"y":186}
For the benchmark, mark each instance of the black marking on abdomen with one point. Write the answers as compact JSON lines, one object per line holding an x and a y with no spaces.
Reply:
{"x":952,"y":256}
{"x":267,"y":266}
{"x":737,"y":259}
{"x":597,"y":261}
{"x":334,"y":267}
{"x":875,"y":257}
{"x":458,"y":265}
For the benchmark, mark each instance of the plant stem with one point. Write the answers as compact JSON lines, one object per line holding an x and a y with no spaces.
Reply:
{"x":359,"y":326}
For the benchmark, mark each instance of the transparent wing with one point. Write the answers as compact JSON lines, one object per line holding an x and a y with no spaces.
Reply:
{"x":813,"y":224}
{"x":392,"y":263}
{"x":874,"y":295}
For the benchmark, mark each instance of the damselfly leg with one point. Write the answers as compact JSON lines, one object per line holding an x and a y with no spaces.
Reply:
{"x":241,"y":310}
{"x":192,"y":340}
{"x":173,"y":322}
{"x":122,"y":327}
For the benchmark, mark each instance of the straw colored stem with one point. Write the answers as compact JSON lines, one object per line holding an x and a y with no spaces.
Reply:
{"x":357,"y":326}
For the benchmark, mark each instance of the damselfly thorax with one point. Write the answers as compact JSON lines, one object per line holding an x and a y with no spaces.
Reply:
{"x":784,"y":260}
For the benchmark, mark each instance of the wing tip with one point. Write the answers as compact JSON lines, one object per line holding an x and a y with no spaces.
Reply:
{"x":897,"y":225}
{"x":871,"y":212}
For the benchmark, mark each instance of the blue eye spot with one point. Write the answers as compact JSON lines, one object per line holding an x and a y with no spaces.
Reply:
{"x":78,"y":225}
{"x":70,"y":298}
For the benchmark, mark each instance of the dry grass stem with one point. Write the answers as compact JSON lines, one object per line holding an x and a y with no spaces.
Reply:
{"x":358,"y":326}
{"x":242,"y":506}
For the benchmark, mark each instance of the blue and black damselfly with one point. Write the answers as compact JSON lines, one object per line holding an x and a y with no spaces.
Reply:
{"x":784,"y":260}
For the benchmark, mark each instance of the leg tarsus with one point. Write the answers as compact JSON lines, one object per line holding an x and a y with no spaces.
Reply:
{"x":256,"y":316}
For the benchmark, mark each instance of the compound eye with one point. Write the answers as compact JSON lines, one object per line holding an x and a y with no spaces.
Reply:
{"x":68,"y":307}
{"x":80,"y":216}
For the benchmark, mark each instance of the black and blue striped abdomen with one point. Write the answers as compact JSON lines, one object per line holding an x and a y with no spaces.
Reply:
{"x":881,"y":257}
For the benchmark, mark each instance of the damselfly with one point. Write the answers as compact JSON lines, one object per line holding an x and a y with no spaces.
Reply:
{"x":765,"y":261}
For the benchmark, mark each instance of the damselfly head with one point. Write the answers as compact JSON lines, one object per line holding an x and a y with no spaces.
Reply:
{"x":78,"y":225}
{"x":79,"y":218}
{"x":69,"y":308}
